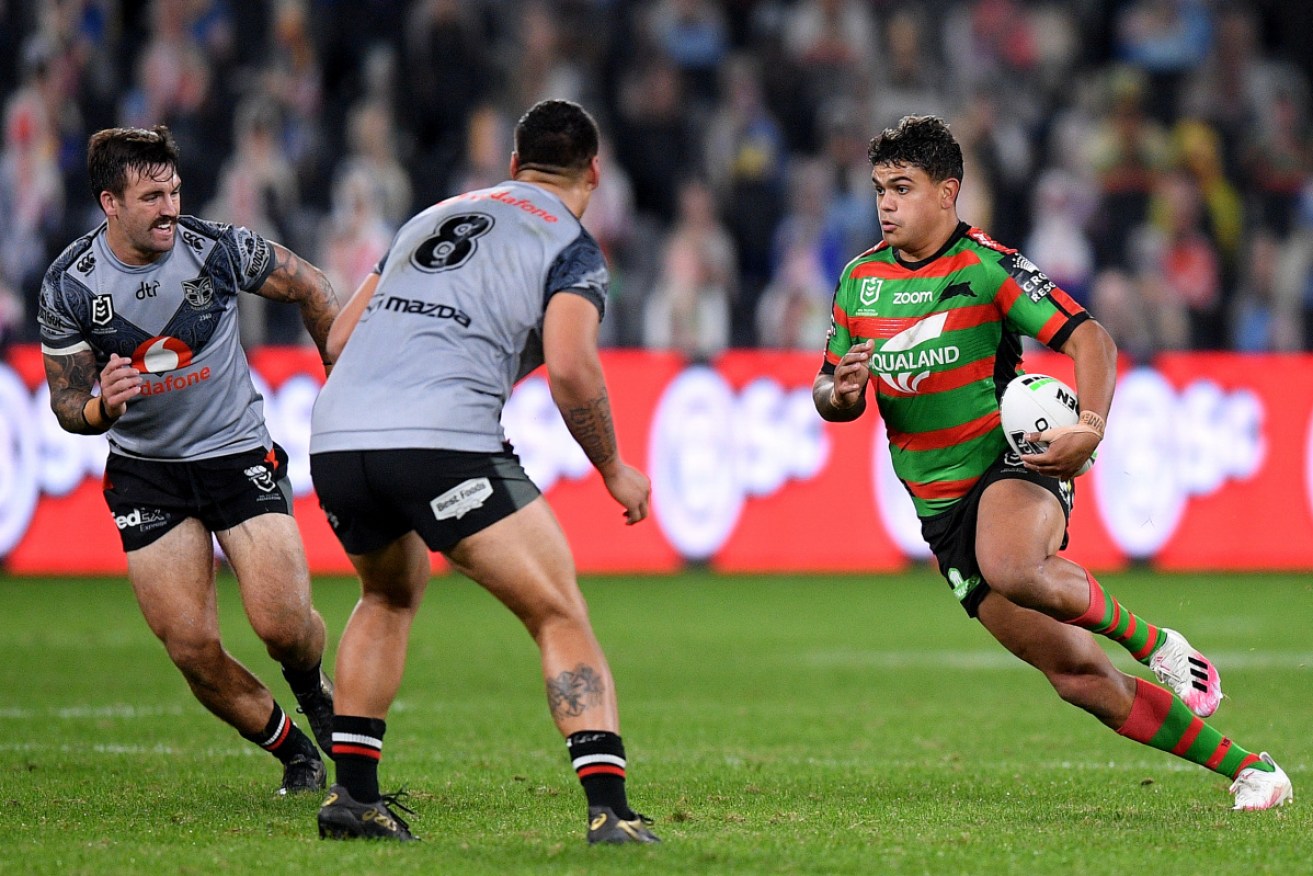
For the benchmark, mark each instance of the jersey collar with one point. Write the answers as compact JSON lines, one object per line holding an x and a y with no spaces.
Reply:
{"x":958,"y":233}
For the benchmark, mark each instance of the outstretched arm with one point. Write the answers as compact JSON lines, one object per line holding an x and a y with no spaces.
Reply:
{"x":296,"y":280}
{"x":71,"y":378}
{"x":574,"y":370}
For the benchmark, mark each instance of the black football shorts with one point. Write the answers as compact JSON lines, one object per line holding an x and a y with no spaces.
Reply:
{"x":148,"y":497}
{"x":373,"y":497}
{"x":952,"y":533}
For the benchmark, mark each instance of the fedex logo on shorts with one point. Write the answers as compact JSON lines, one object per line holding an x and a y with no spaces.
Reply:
{"x":140,"y":518}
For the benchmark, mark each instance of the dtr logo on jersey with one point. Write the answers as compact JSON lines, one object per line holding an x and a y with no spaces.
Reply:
{"x":160,"y":354}
{"x":897,"y":362}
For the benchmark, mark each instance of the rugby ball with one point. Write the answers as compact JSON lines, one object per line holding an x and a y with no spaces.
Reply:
{"x":1033,"y":403}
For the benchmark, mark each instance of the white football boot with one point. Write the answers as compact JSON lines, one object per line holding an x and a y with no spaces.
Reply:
{"x":1188,"y":673}
{"x":1255,"y":789}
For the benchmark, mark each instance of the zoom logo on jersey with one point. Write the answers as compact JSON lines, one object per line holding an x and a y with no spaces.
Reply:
{"x":426,"y":308}
{"x":901,"y":366}
{"x":913,"y":297}
{"x":451,"y":243}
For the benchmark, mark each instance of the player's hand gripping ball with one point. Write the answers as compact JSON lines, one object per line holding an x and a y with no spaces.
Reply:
{"x":1036,"y":403}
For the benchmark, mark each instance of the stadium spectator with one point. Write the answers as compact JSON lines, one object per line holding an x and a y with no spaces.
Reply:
{"x":492,"y":283}
{"x":372,"y":137}
{"x":145,"y":306}
{"x":689,"y":308}
{"x":1179,"y":262}
{"x":994,"y":520}
{"x":258,"y":190}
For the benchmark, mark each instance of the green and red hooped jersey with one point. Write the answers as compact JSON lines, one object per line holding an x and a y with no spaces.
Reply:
{"x":947,"y":334}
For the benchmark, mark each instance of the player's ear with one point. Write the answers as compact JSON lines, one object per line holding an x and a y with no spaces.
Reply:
{"x":595,"y":172}
{"x":515,"y":164}
{"x":948,"y":190}
{"x":108,"y":203}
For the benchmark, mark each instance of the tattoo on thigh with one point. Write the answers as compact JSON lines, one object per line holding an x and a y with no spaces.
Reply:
{"x":569,"y":693}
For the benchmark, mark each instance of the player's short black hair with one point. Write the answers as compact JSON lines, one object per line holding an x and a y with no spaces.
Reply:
{"x":556,"y":136}
{"x":111,"y":153}
{"x":919,"y":141}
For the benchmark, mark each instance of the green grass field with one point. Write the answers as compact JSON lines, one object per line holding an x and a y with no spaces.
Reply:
{"x":774,"y":725}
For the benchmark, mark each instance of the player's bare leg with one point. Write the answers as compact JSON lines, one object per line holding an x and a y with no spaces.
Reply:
{"x":1021,"y":554}
{"x":372,"y":655}
{"x":1018,"y":535}
{"x":1070,"y":658}
{"x":173,"y":579}
{"x":265,"y":553}
{"x":524,"y":560}
{"x":370,"y":662}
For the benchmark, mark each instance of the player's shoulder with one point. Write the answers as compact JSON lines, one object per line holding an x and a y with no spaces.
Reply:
{"x":77,"y":260}
{"x":881,"y":252}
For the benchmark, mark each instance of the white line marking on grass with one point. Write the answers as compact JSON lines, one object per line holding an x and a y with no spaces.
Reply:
{"x":76,"y":713}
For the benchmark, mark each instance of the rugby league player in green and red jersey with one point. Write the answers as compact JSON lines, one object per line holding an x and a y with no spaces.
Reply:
{"x":931,"y":320}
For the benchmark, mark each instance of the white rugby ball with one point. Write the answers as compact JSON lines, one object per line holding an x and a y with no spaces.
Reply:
{"x":1033,"y":403}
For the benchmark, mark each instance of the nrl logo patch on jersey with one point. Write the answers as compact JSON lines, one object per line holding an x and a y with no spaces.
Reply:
{"x":199,"y":292}
{"x":869,"y":292}
{"x":102,"y":309}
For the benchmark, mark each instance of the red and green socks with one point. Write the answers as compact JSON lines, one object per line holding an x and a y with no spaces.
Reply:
{"x":1160,"y":720}
{"x":1107,"y":617}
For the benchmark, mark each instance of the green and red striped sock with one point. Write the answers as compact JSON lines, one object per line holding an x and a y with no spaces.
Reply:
{"x":1107,"y":617}
{"x":1160,"y":720}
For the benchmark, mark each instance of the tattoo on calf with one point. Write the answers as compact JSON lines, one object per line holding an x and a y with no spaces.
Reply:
{"x":571,"y":692}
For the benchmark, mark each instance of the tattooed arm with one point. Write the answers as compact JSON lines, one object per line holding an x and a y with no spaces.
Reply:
{"x":71,"y":378}
{"x":579,"y":390}
{"x":296,"y":280}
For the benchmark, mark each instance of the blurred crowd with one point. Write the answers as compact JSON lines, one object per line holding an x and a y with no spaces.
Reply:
{"x":1154,"y":157}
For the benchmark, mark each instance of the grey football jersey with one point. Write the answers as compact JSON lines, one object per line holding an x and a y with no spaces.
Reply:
{"x":177,"y":320}
{"x":455,"y":320}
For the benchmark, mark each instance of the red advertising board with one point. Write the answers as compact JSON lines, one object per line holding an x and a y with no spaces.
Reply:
{"x":1208,"y":464}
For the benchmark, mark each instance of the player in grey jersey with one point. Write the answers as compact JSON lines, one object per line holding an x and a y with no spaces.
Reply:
{"x":408,"y":454}
{"x":145,"y":305}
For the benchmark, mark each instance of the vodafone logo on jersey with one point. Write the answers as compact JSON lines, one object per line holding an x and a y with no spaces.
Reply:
{"x":161,"y":355}
{"x":902,"y":367}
